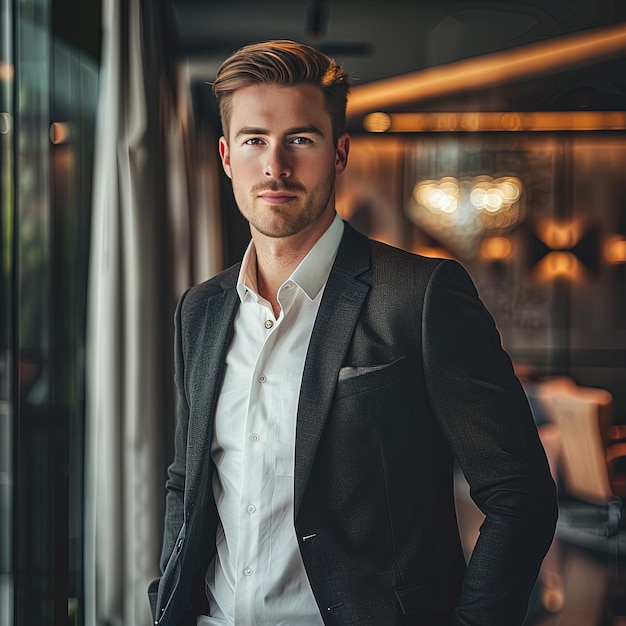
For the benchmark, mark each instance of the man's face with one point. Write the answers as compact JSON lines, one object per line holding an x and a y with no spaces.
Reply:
{"x":281,"y":158}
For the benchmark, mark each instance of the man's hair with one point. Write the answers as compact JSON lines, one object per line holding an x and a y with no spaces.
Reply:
{"x":286,"y":63}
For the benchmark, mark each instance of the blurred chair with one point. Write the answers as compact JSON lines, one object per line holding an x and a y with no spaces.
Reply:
{"x":550,"y":584}
{"x":589,"y":461}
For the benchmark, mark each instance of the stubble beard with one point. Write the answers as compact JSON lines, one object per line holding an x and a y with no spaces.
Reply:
{"x":282,"y":220}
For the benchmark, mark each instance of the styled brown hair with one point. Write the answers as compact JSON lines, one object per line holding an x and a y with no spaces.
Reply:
{"x":287,"y":63}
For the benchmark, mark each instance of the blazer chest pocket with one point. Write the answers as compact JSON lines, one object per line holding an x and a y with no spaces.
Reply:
{"x":361,"y":379}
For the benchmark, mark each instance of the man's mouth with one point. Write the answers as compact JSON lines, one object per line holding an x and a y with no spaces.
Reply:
{"x":277,"y":197}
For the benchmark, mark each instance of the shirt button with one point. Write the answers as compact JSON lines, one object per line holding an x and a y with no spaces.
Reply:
{"x":255,"y":437}
{"x":262,"y":378}
{"x":248,"y":571}
{"x":251,"y":509}
{"x":268,"y":324}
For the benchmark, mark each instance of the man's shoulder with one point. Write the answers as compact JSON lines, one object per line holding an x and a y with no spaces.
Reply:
{"x":411,"y":269}
{"x":384,"y":254}
{"x":390,"y":261}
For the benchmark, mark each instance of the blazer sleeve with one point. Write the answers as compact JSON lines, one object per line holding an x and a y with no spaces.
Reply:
{"x":484,"y":414}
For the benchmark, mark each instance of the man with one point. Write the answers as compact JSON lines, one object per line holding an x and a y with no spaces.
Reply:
{"x":325,"y":385}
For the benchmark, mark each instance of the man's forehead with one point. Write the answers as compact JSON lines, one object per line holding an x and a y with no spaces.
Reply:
{"x":297,"y":105}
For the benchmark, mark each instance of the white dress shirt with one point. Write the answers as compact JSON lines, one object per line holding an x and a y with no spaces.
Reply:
{"x":257,"y":577}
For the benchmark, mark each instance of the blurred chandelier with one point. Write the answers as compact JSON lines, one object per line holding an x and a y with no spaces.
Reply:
{"x":461,"y":213}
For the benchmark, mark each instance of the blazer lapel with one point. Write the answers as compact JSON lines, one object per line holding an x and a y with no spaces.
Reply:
{"x":333,"y":329}
{"x":210,"y":354}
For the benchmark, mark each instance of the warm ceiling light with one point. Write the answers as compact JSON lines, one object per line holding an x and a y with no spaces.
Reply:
{"x":376,"y":122}
{"x":438,"y":196}
{"x":559,"y":264}
{"x":505,"y":67}
{"x":559,"y":235}
{"x":511,"y":189}
{"x":495,"y":195}
{"x":496,"y":248}
{"x":615,"y":249}
{"x":460,"y":213}
{"x":540,"y":121}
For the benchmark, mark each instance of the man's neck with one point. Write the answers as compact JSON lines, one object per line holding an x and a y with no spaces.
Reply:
{"x":273,"y":269}
{"x":277,"y":258}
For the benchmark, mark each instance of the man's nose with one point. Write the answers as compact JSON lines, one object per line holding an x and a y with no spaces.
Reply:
{"x":277,"y":163}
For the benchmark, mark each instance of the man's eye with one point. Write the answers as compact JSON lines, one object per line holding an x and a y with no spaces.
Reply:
{"x":300,"y":140}
{"x":253,"y":141}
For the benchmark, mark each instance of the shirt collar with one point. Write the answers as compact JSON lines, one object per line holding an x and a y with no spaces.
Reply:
{"x":312,"y":272}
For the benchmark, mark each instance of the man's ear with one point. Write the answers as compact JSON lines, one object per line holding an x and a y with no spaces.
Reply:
{"x":341,"y":153}
{"x":225,"y":156}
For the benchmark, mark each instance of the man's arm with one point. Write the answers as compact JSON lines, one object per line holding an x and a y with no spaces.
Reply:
{"x":484,"y":414}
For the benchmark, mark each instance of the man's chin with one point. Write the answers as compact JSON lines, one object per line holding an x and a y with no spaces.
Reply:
{"x":277,"y":232}
{"x":278,"y":224}
{"x":272,"y":222}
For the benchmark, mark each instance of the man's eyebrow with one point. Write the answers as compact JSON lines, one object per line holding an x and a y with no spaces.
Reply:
{"x":251,"y":130}
{"x":297,"y":130}
{"x":305,"y":130}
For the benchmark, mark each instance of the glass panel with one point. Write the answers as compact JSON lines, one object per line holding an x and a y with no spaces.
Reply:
{"x":6,"y":308}
{"x":36,"y":525}
{"x":74,"y":96}
{"x":55,"y":113}
{"x":46,"y":161}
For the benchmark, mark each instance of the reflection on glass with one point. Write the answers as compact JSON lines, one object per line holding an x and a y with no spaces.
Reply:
{"x":46,"y":148}
{"x":6,"y":306}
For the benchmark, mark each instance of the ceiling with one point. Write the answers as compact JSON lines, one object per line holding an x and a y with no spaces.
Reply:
{"x":376,"y":40}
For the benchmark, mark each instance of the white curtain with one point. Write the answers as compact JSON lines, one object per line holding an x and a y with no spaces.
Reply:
{"x":155,"y":231}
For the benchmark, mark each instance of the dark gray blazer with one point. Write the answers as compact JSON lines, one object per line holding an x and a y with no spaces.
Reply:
{"x":404,"y":372}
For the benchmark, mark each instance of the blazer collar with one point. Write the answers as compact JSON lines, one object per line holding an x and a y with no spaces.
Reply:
{"x":339,"y":310}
